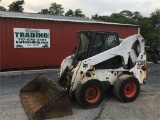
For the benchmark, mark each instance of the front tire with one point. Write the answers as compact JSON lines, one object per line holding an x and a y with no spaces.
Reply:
{"x":126,"y":88}
{"x":90,"y":94}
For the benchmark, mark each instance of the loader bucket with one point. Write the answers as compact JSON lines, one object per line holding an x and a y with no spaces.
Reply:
{"x":43,"y":99}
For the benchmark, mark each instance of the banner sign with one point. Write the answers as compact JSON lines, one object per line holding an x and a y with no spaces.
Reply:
{"x":31,"y":38}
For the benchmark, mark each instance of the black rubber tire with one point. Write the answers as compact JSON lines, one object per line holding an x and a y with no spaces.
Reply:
{"x":119,"y":88}
{"x":154,"y":58}
{"x":80,"y":93}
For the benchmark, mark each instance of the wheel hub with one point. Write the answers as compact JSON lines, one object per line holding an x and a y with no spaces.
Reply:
{"x":92,"y":94}
{"x":130,"y":89}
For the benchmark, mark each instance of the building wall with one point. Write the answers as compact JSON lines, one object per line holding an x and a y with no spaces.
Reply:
{"x":63,"y":40}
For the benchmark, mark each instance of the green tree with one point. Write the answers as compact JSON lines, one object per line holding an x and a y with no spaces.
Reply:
{"x":16,"y":6}
{"x":137,"y":16}
{"x":56,"y":9}
{"x":126,"y":14}
{"x":150,"y":26}
{"x":155,"y":17}
{"x":96,"y":17}
{"x":70,"y":13}
{"x":45,"y":11}
{"x":116,"y":15}
{"x":79,"y":13}
{"x":146,"y":27}
{"x":2,"y":8}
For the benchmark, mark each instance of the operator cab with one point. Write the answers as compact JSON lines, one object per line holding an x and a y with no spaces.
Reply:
{"x":91,"y":43}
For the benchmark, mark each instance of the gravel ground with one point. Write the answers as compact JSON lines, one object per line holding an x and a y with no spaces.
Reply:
{"x":145,"y":107}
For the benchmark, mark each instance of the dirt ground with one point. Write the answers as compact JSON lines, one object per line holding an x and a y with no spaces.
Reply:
{"x":145,"y":107}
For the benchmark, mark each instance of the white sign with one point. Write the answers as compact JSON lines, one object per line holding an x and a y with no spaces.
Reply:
{"x":31,"y":38}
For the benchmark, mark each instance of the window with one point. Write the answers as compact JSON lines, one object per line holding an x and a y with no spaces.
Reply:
{"x":84,"y":41}
{"x":97,"y":47}
{"x":110,"y":42}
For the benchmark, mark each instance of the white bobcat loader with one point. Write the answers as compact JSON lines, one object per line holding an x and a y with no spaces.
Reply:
{"x":100,"y":63}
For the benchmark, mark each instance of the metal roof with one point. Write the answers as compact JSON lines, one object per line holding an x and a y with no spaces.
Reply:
{"x":7,"y":14}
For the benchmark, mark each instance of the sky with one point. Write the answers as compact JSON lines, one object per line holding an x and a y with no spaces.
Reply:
{"x":92,"y":7}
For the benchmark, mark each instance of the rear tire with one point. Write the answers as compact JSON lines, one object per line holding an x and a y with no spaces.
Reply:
{"x":126,"y":88}
{"x":154,"y":58}
{"x":90,"y":94}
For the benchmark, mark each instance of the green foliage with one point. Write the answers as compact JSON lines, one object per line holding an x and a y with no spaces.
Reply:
{"x":45,"y":11}
{"x":150,"y":27}
{"x":70,"y":13}
{"x":79,"y":13}
{"x":16,"y":6}
{"x":2,"y":8}
{"x":155,"y":25}
{"x":126,"y":14}
{"x":137,"y":16}
{"x":56,"y":9}
{"x":155,"y":17}
{"x":146,"y":28}
{"x":95,"y":16}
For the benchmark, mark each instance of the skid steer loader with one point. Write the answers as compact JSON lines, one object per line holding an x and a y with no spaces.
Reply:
{"x":100,"y":62}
